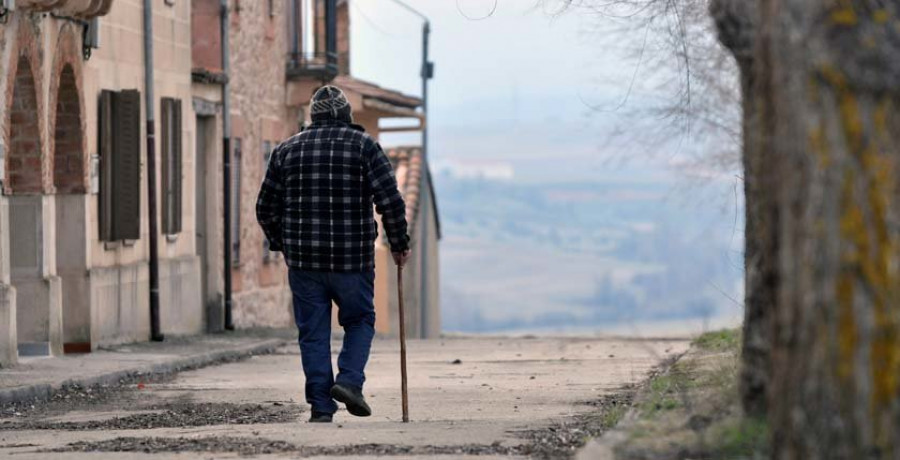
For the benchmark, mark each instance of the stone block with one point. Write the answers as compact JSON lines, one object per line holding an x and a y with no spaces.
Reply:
{"x":181,"y":308}
{"x":120,"y":310}
{"x":8,"y":336}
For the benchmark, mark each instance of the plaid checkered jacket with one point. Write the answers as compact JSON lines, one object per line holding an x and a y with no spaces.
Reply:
{"x":315,"y":203}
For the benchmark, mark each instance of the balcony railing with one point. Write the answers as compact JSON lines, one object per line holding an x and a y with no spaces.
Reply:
{"x":320,"y":65}
{"x":82,"y":9}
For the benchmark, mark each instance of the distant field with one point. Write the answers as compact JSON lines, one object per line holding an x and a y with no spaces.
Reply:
{"x":582,"y":256}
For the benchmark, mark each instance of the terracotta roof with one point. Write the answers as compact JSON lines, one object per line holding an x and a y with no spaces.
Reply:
{"x":373,"y":91}
{"x":410,"y":169}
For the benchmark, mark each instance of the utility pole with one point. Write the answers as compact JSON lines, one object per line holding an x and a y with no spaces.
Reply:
{"x":427,"y":73}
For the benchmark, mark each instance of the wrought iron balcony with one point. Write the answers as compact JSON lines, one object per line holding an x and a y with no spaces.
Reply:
{"x":320,"y":66}
{"x":85,"y":9}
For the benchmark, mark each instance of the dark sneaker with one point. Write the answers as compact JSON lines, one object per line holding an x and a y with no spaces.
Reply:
{"x":320,"y":417}
{"x":353,"y":398}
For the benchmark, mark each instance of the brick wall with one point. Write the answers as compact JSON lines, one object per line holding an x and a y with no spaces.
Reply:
{"x":206,"y":38}
{"x":343,"y":37}
{"x":24,"y":162}
{"x":68,"y":160}
{"x":24,"y":134}
{"x":68,"y":152}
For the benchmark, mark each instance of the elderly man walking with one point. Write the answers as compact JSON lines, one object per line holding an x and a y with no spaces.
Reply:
{"x":315,"y":206}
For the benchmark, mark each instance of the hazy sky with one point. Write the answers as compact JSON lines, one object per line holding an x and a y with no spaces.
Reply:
{"x":516,"y":86}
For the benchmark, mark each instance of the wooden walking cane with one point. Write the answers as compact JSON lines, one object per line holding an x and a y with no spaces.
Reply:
{"x":402,"y":346}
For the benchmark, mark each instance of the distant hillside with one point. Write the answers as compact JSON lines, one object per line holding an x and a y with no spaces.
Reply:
{"x":527,"y":256}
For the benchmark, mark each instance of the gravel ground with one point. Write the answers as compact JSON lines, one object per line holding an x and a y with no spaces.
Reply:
{"x":563,"y":440}
{"x":257,"y":446}
{"x":175,"y":416}
{"x":75,"y":396}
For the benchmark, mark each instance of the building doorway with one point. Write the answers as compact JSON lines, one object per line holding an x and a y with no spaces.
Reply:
{"x":204,"y":218}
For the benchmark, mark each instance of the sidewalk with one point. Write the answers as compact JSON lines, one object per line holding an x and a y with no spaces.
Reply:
{"x":41,"y":378}
{"x":469,"y":397}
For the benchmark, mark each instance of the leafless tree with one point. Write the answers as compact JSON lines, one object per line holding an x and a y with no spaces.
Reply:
{"x":684,"y":85}
{"x":736,"y":25}
{"x":703,"y":49}
{"x":821,"y":138}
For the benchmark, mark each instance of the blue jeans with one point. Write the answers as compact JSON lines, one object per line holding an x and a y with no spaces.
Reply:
{"x":354,"y":294}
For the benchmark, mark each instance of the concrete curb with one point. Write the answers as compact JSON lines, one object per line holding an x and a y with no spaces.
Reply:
{"x":45,"y":391}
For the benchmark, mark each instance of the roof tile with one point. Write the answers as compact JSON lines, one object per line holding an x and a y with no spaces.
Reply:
{"x":371,"y":90}
{"x":407,"y":162}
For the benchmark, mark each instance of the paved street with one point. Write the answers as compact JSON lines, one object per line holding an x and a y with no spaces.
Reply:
{"x":478,"y":405}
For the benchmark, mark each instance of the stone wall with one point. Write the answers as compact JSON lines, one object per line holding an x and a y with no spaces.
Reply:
{"x":259,"y":50}
{"x":118,"y":277}
{"x":31,"y":46}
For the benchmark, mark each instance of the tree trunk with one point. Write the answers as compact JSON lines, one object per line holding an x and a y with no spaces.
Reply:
{"x":736,"y":21}
{"x":826,"y":80}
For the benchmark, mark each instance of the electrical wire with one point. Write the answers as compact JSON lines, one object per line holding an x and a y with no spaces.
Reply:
{"x":471,"y":18}
{"x":374,"y":24}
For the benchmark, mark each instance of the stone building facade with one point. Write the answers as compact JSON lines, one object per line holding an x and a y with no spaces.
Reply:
{"x":74,"y":233}
{"x":274,"y":71}
{"x":64,"y":287}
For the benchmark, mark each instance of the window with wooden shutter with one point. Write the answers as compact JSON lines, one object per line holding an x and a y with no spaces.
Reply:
{"x":236,"y":203}
{"x":106,"y":194}
{"x":171,"y":165}
{"x":120,"y":165}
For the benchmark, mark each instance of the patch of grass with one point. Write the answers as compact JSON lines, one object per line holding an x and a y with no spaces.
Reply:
{"x":612,"y":416}
{"x":722,"y":340}
{"x":745,"y":438}
{"x":691,"y":409}
{"x":664,"y":391}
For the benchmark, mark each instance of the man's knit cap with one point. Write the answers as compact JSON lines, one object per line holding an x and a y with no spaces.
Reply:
{"x":329,"y":102}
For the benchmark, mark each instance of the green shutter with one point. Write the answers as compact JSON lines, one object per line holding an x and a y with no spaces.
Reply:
{"x":236,"y":202}
{"x":171,"y":165}
{"x":166,"y":166}
{"x":105,"y":137}
{"x":126,"y":167}
{"x":176,"y":166}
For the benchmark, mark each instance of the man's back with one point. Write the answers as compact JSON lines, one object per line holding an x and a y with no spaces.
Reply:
{"x":318,"y":194}
{"x":315,"y":205}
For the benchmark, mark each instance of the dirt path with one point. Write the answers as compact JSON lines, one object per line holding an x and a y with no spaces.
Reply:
{"x":468,"y":396}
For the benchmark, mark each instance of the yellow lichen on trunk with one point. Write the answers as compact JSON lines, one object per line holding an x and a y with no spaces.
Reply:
{"x":885,"y":352}
{"x":844,"y":14}
{"x":853,"y":231}
{"x":869,"y":259}
{"x":851,"y":226}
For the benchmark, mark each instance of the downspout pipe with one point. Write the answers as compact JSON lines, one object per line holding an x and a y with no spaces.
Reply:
{"x":295,"y":31}
{"x":226,"y":164}
{"x":149,"y":104}
{"x":331,"y":56}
